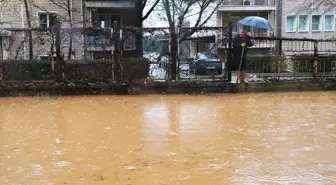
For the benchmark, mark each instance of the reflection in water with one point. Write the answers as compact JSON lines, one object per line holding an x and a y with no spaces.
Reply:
{"x":279,"y":138}
{"x":156,"y":125}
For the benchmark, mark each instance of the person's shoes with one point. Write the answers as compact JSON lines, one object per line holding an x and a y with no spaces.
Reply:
{"x":246,"y":81}
{"x":238,"y":81}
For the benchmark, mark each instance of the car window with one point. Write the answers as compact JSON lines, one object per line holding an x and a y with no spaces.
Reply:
{"x":210,"y":55}
{"x":207,"y":56}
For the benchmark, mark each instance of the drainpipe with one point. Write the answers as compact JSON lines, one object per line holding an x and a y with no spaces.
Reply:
{"x":279,"y":17}
{"x":23,"y":33}
{"x":1,"y":10}
{"x":84,"y":28}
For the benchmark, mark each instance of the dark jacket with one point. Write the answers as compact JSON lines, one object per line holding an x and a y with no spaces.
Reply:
{"x":237,"y":51}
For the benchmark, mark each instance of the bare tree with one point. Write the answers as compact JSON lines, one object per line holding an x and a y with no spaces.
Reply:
{"x":30,"y":35}
{"x":310,"y":6}
{"x":65,"y":6}
{"x":152,"y":4}
{"x":177,"y":12}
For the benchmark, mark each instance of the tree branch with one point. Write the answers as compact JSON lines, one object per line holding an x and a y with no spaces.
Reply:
{"x":150,"y":10}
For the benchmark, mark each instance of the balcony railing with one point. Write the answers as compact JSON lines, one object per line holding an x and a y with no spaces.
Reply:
{"x":248,"y":3}
{"x":108,"y":0}
{"x":110,"y":3}
{"x":99,"y":39}
{"x":102,"y":39}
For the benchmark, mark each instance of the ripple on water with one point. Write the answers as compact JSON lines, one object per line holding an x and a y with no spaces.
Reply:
{"x":59,"y":152}
{"x":60,"y":163}
{"x":37,"y":169}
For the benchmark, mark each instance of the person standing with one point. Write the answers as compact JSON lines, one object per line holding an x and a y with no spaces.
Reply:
{"x":240,"y":41}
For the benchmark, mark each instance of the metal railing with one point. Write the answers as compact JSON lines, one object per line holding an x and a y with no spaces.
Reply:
{"x":146,"y":53}
{"x":248,"y":3}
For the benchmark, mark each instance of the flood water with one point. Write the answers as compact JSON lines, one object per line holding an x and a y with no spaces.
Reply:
{"x":266,"y":138}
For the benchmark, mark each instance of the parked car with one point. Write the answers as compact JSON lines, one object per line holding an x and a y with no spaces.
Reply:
{"x":206,"y":62}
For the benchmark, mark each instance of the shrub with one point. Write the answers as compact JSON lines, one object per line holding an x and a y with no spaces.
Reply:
{"x":135,"y":68}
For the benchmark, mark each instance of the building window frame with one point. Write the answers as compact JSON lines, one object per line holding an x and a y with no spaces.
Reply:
{"x":294,"y":23}
{"x":38,"y":13}
{"x":320,"y":23}
{"x":298,"y":23}
{"x":237,"y":25}
{"x":332,"y":26}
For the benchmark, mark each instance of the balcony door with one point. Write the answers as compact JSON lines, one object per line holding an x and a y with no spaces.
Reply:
{"x":105,"y":20}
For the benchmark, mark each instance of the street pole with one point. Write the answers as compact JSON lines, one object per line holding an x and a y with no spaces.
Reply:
{"x":1,"y":57}
{"x":84,"y":27}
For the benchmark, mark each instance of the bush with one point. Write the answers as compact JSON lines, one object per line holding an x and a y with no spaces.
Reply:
{"x":26,"y":70}
{"x":90,"y":71}
{"x":135,"y":68}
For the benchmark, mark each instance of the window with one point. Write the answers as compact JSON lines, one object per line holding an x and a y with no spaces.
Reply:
{"x":290,"y":23}
{"x":316,"y":23}
{"x":235,"y":26}
{"x":46,"y":20}
{"x":128,"y":39}
{"x":105,"y":20}
{"x":329,"y":23}
{"x":303,"y":23}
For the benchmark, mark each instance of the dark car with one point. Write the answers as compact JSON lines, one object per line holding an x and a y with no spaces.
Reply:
{"x":205,"y":63}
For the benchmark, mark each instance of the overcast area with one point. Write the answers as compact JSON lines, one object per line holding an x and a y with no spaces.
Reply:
{"x":158,"y":17}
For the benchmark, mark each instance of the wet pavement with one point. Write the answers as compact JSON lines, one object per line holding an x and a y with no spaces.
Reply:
{"x":266,"y":138}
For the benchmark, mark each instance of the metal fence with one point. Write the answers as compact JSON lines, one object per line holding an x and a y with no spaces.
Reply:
{"x":292,"y":58}
{"x":127,"y":54}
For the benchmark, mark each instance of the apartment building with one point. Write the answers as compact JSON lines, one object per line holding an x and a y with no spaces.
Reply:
{"x":98,"y":15}
{"x":235,"y":10}
{"x":306,"y":19}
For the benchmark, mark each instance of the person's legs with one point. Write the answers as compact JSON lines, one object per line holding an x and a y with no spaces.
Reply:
{"x":239,"y":78}
{"x":244,"y":76}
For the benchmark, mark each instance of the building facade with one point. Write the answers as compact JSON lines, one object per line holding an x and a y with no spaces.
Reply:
{"x":235,"y":10}
{"x":97,"y":16}
{"x":306,"y":19}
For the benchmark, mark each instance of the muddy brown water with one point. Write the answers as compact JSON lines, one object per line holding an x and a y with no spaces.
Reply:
{"x":266,"y":138}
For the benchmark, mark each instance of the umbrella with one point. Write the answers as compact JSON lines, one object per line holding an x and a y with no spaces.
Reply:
{"x":256,"y":22}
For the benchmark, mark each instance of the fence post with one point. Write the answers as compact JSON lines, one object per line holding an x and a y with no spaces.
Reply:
{"x":1,"y":58}
{"x":173,"y":52}
{"x":280,"y":58}
{"x":58,"y":72}
{"x":112,"y":55}
{"x":315,"y":58}
{"x":229,"y":52}
{"x":117,"y":52}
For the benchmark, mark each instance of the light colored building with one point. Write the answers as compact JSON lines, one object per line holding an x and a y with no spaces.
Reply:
{"x":96,"y":14}
{"x":300,"y":20}
{"x":236,"y":10}
{"x":308,"y":19}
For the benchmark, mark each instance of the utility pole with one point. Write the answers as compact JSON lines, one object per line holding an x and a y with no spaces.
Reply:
{"x":1,"y":57}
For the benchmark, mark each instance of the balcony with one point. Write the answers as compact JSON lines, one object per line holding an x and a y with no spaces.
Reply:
{"x":99,"y":40}
{"x":102,"y":40}
{"x":247,"y":5}
{"x":110,"y":3}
